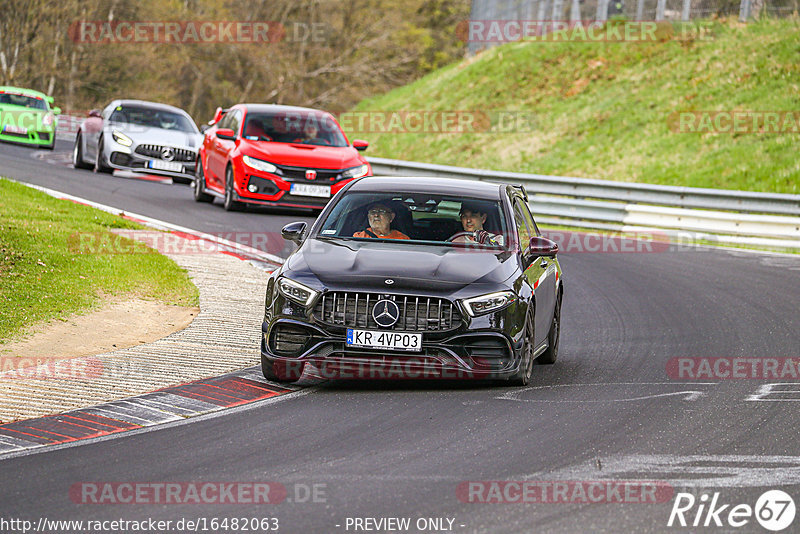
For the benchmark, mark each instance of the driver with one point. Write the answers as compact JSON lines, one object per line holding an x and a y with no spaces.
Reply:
{"x":473,"y":217}
{"x":167,"y":122}
{"x":379,"y":218}
{"x":310,"y":133}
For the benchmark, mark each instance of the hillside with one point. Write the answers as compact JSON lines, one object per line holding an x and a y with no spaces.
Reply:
{"x":610,"y":110}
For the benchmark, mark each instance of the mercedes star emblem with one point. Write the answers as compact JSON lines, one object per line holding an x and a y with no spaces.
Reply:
{"x":385,"y":313}
{"x":167,"y":153}
{"x":388,"y":281}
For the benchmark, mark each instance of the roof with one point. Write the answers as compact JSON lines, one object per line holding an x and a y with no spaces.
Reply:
{"x":22,"y":91}
{"x":145,"y":103}
{"x":278,"y":108}
{"x":428,"y":184}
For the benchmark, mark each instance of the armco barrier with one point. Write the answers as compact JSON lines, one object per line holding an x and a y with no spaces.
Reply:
{"x":761,"y":219}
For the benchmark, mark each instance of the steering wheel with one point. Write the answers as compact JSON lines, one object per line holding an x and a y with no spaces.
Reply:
{"x":459,"y":234}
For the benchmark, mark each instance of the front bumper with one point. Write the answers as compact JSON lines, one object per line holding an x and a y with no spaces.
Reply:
{"x":34,"y":138}
{"x":464,"y":354}
{"x":124,"y":158}
{"x":276,"y":189}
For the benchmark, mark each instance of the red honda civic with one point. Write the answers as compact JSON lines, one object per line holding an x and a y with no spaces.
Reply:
{"x":276,"y":155}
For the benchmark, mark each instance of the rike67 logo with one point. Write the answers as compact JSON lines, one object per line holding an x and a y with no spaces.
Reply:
{"x":774,"y":510}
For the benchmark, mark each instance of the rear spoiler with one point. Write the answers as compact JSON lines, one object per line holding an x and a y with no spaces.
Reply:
{"x":218,"y":114}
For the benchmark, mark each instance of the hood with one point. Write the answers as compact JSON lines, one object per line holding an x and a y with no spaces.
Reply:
{"x":365,"y":265}
{"x":157,"y":136}
{"x":298,"y":155}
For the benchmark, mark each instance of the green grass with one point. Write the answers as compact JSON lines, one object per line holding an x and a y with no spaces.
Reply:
{"x":602,"y":110}
{"x":43,"y":278}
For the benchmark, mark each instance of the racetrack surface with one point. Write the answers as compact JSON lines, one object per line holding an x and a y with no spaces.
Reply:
{"x":607,"y":410}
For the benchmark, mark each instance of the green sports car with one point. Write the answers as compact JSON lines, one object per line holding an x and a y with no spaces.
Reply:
{"x":26,"y":117}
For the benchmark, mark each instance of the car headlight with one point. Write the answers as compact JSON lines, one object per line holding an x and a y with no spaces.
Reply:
{"x":296,"y":291}
{"x":356,"y":172}
{"x":48,"y":119}
{"x":259,"y":164}
{"x":488,"y":303}
{"x":121,"y":138}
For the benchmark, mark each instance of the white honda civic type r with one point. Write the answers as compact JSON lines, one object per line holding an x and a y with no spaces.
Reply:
{"x":139,"y":136}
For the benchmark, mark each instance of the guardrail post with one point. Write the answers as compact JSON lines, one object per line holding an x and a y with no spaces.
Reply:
{"x":687,"y":7}
{"x":660,"y":6}
{"x":639,"y":9}
{"x":602,"y":10}
{"x":558,"y":7}
{"x":744,"y":11}
{"x":575,"y":12}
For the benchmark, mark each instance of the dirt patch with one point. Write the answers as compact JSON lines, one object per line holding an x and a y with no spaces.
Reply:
{"x":116,"y":325}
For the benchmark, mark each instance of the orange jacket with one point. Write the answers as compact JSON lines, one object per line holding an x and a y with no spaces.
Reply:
{"x":394,"y":234}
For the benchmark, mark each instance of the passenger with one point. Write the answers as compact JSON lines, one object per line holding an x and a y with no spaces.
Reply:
{"x":473,"y":217}
{"x":379,"y":218}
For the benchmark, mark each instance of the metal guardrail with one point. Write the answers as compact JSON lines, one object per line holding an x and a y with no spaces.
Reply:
{"x":680,"y":197}
{"x":608,"y":205}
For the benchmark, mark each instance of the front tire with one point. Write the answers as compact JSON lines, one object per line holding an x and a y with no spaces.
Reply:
{"x":99,"y":164}
{"x":77,"y":154}
{"x":230,"y":204}
{"x":523,"y":376}
{"x":549,"y":356}
{"x":199,"y":185}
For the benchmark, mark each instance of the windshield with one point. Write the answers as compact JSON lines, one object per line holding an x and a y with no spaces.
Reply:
{"x":23,"y":101}
{"x":306,"y":127}
{"x":418,"y":217}
{"x":154,"y":118}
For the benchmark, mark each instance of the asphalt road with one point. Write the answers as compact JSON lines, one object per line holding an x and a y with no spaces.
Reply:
{"x":608,"y":410}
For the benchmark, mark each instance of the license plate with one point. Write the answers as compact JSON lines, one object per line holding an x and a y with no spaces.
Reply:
{"x":10,"y":128}
{"x":372,"y":339}
{"x":165,"y":165}
{"x":308,"y":190}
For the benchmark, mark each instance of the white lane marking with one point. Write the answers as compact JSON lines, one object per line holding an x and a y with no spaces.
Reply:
{"x":767,"y":390}
{"x":689,"y":395}
{"x":714,"y":470}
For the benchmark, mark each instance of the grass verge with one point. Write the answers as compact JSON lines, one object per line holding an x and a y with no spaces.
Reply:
{"x":607,"y":110}
{"x":41,"y":278}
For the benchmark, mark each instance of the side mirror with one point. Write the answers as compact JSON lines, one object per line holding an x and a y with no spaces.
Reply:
{"x":541,"y":246}
{"x":294,"y":232}
{"x":56,"y":110}
{"x":96,"y":113}
{"x":226,"y":133}
{"x":360,"y":144}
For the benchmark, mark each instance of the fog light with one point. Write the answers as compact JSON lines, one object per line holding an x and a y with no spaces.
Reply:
{"x":252,"y":188}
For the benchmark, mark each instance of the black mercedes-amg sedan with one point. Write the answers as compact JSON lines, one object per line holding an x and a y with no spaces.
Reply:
{"x":415,"y":278}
